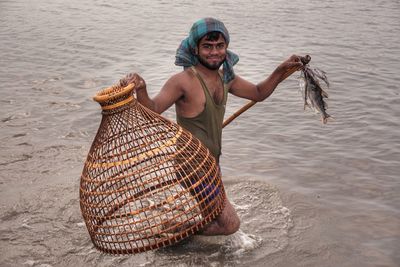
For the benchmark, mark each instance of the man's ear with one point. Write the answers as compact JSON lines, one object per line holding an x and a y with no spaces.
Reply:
{"x":196,"y":50}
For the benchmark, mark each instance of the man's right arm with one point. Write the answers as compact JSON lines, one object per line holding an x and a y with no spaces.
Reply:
{"x":168,"y":95}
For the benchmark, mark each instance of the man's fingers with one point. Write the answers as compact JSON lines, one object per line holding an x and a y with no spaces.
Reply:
{"x":295,"y":65}
{"x":133,"y":78}
{"x":295,"y":58}
{"x":126,"y":80}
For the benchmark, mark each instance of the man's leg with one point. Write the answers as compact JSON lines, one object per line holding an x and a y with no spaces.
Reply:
{"x":226,"y":223}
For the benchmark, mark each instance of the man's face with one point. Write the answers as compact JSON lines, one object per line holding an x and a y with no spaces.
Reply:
{"x":212,"y":54}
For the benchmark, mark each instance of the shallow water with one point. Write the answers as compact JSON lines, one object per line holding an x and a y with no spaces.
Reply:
{"x":308,"y":194}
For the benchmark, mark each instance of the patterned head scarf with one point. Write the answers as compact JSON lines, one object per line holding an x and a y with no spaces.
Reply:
{"x":186,"y":56}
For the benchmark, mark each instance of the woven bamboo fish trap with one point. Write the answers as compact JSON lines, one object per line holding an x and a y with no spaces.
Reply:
{"x":146,"y":183}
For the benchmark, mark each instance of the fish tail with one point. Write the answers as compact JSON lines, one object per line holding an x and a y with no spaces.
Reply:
{"x":326,"y":117}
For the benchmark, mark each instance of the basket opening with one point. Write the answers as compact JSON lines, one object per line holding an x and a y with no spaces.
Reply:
{"x":115,"y":96}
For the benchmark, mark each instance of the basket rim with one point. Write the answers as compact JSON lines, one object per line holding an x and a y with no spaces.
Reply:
{"x":113,"y":92}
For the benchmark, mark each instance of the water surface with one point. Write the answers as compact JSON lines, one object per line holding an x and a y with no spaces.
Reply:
{"x":308,"y":194}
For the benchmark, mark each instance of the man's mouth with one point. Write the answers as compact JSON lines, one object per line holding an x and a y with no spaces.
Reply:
{"x":216,"y":59}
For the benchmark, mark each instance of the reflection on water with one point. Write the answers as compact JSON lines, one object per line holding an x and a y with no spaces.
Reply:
{"x":339,"y":191}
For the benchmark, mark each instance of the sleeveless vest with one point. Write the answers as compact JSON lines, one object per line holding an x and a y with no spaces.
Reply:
{"x":207,"y":126}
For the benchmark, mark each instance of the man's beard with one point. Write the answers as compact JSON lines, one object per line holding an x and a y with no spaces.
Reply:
{"x":215,"y":66}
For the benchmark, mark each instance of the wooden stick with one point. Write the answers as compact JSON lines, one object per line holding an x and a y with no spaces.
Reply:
{"x":237,"y":113}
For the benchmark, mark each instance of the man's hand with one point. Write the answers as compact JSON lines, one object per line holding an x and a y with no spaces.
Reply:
{"x":135,"y":79}
{"x":289,"y":66}
{"x":293,"y":63}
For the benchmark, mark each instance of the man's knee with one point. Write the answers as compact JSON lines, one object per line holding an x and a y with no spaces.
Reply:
{"x":233,"y":226}
{"x":230,"y":220}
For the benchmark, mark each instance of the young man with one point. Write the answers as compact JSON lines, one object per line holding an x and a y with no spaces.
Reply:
{"x":200,"y":91}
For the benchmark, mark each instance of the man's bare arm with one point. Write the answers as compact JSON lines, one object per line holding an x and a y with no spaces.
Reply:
{"x":264,"y":89}
{"x":168,"y":95}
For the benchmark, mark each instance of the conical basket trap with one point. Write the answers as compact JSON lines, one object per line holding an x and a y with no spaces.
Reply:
{"x":147,"y":182}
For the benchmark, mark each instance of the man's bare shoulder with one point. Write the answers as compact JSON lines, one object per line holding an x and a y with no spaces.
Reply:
{"x":183,"y":76}
{"x":181,"y":79}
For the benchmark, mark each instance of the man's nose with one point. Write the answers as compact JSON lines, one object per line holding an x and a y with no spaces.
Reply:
{"x":214,"y":50}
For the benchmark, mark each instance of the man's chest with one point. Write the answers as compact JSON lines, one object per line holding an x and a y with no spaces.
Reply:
{"x":214,"y":91}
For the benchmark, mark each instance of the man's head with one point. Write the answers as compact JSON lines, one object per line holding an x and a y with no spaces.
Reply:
{"x":211,"y":33}
{"x":211,"y":50}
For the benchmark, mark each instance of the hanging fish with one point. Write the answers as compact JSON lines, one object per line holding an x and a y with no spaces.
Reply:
{"x":311,"y":83}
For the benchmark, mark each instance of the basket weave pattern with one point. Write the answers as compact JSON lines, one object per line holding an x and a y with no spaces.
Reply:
{"x":146,"y":182}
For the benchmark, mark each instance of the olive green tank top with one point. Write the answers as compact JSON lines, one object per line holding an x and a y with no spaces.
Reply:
{"x":207,"y":126}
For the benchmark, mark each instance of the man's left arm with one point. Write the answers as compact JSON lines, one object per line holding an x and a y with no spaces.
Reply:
{"x":245,"y":89}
